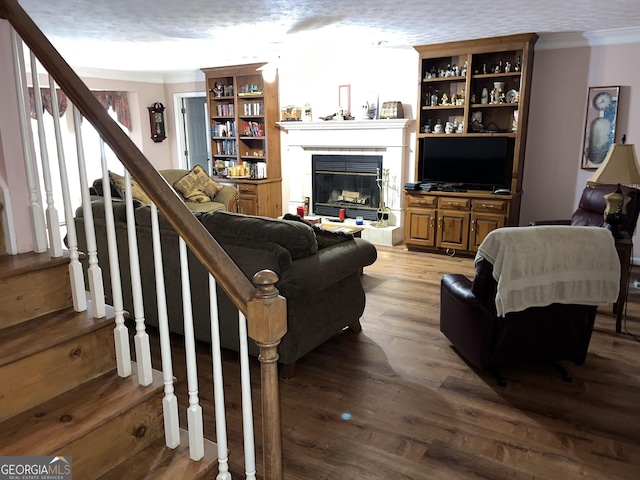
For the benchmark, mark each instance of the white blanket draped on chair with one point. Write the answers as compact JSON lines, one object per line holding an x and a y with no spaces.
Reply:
{"x":538,"y":266}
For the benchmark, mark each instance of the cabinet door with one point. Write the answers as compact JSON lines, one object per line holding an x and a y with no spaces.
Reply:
{"x":420,"y":227}
{"x":248,"y":204}
{"x":453,"y":229}
{"x":481,"y":226}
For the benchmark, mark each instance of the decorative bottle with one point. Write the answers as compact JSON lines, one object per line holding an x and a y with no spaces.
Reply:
{"x":307,"y":113}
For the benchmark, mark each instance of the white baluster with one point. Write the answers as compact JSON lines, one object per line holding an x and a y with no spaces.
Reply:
{"x":120,"y":332}
{"x":78,"y":291}
{"x":94,"y":272}
{"x":35,"y":210}
{"x":218,"y":385}
{"x":194,"y":412}
{"x":247,"y":408}
{"x":143,"y":350}
{"x":170,"y":401}
{"x":53,"y":222}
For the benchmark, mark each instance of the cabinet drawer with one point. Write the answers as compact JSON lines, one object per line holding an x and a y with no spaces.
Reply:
{"x":454,"y":203}
{"x":247,"y":188}
{"x":489,"y":206}
{"x":421,"y":201}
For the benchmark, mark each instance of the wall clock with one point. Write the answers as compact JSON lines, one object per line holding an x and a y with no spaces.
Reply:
{"x":600,"y":125}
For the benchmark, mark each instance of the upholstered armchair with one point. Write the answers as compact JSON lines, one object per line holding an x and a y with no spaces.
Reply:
{"x":591,"y":208}
{"x":530,"y":300}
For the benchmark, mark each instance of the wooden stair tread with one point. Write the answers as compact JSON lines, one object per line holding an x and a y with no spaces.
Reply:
{"x":50,"y":426}
{"x":158,"y":462}
{"x":11,"y":265}
{"x":28,"y":338}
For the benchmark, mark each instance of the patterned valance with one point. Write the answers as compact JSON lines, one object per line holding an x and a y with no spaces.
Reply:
{"x":116,"y":100}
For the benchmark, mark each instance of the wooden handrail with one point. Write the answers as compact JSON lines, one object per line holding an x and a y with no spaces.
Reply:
{"x":202,"y":244}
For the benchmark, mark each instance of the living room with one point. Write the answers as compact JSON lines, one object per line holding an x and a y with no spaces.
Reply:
{"x":397,"y":310}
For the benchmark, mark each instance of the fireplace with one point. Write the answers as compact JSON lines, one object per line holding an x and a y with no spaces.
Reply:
{"x":388,"y":138}
{"x":346,"y":182}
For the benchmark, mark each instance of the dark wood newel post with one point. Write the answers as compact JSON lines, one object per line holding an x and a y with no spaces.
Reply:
{"x":267,"y":324}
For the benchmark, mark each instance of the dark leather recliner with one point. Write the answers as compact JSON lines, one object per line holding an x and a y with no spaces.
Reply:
{"x":590,"y":212}
{"x":538,"y":334}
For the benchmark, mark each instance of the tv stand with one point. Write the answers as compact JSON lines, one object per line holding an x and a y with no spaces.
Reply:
{"x":440,"y":220}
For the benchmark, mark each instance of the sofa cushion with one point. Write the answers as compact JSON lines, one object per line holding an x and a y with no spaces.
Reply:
{"x":117,"y":183}
{"x":197,"y":186}
{"x":325,"y":238}
{"x":229,"y":228}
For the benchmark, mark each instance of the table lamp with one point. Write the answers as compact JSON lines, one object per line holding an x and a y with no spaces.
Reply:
{"x":620,"y":167}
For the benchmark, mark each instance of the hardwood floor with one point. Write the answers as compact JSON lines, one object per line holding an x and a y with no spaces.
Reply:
{"x":397,"y":402}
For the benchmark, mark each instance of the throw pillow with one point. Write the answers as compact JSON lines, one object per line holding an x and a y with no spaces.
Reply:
{"x":197,"y":186}
{"x":117,"y":184}
{"x":325,"y":238}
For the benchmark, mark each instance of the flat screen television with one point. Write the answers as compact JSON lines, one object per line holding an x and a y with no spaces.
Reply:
{"x":479,"y":163}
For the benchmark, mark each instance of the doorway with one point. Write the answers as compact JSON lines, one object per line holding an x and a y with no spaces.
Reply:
{"x":193,"y":146}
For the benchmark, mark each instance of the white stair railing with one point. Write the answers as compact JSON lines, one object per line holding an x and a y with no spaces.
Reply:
{"x":120,"y":332}
{"x":143,"y":350}
{"x":35,"y":209}
{"x":94,"y":272}
{"x":76,"y":276}
{"x":170,"y":401}
{"x":218,"y":385}
{"x":194,"y":411}
{"x":53,"y":221}
{"x":247,"y":407}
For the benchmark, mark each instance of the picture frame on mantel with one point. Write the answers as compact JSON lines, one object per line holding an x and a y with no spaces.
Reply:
{"x":599,"y":125}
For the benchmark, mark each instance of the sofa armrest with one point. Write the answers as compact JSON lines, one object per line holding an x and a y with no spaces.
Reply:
{"x":228,"y":196}
{"x":309,"y":275}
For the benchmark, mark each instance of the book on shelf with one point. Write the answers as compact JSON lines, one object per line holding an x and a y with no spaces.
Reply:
{"x":252,"y":129}
{"x":224,"y":129}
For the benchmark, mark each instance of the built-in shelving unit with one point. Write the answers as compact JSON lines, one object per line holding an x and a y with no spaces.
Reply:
{"x":481,"y":88}
{"x":243,"y":111}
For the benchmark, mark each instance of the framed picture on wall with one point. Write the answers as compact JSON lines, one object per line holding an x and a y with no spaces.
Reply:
{"x":600,"y":125}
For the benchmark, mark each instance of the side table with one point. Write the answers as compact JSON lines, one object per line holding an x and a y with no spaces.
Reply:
{"x":624,"y":247}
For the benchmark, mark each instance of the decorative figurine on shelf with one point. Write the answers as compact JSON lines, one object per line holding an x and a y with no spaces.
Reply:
{"x":218,"y":89}
{"x":365,"y":111}
{"x":454,"y":99}
{"x":518,"y":65}
{"x":507,"y":67}
{"x":445,"y":99}
{"x":448,"y":128}
{"x":460,"y":128}
{"x":434,"y":99}
{"x":433,"y":73}
{"x":307,"y":113}
{"x":514,"y":124}
{"x":456,"y":71}
{"x":427,"y":128}
{"x":438,"y":128}
{"x":476,"y":121}
{"x":464,"y":69}
{"x":484,"y":68}
{"x":427,"y":100}
{"x":484,"y":98}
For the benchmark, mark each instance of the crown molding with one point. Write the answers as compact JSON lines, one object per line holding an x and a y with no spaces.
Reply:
{"x":144,"y":77}
{"x":594,"y":38}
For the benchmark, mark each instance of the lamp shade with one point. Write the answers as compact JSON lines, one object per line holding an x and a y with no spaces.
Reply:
{"x":620,"y":166}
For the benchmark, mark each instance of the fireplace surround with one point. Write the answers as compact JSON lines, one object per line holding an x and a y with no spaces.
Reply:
{"x":388,"y":138}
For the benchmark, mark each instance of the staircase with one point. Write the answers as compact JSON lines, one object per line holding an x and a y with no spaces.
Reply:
{"x":59,"y":390}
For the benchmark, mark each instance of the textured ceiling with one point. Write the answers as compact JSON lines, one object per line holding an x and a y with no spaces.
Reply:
{"x":173,"y":35}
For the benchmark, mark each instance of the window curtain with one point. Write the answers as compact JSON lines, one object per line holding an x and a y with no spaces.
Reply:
{"x":116,"y":100}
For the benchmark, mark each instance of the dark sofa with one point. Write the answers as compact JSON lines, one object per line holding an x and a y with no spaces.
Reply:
{"x":318,"y":275}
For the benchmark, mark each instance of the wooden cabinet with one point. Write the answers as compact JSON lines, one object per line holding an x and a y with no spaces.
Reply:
{"x":481,"y":88}
{"x":455,"y":222}
{"x":245,"y":141}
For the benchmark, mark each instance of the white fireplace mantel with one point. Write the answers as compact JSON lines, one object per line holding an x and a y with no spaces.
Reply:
{"x":387,"y":137}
